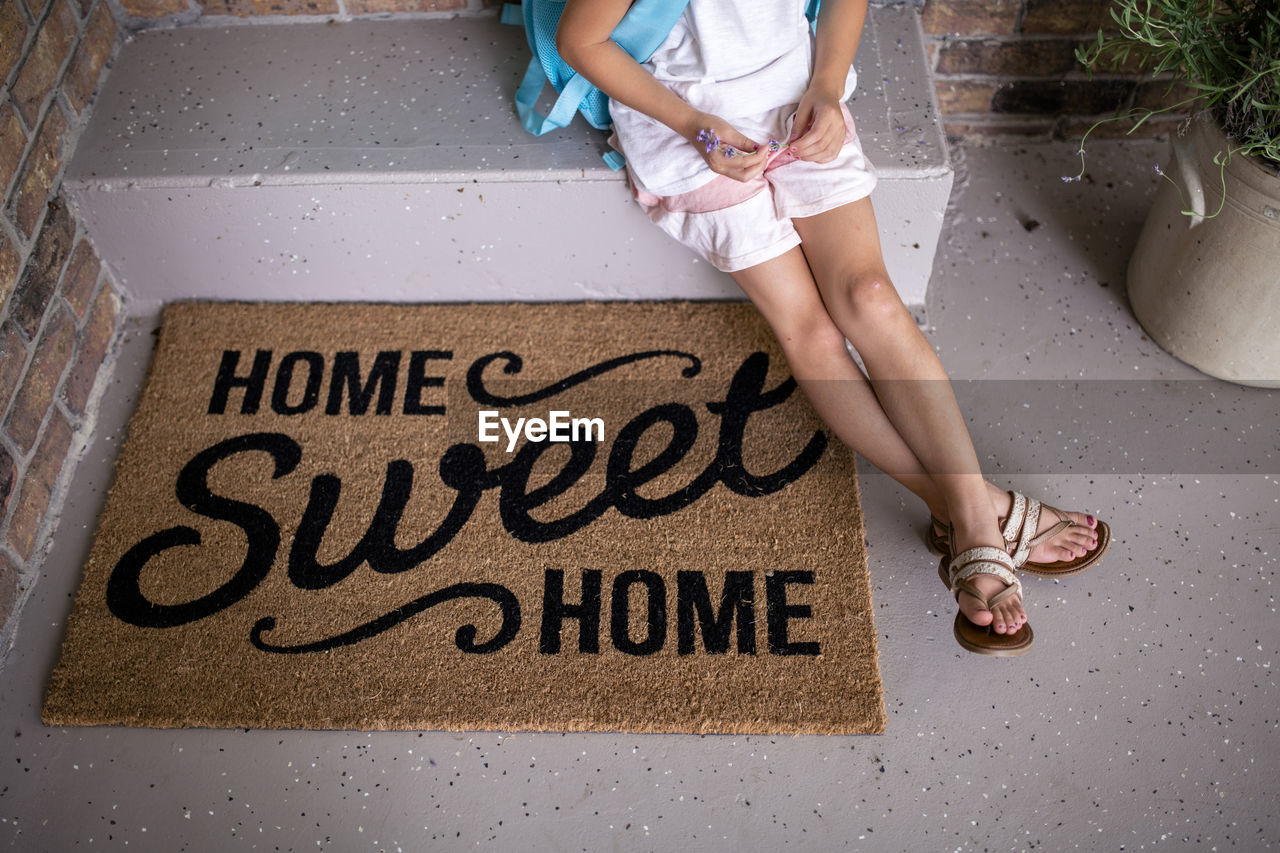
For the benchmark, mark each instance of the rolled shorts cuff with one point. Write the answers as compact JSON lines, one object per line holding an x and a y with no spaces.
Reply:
{"x":741,"y":262}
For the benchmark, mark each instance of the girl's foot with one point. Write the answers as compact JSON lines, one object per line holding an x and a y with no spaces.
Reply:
{"x":1072,"y":543}
{"x":1006,"y":615}
{"x":1004,"y":618}
{"x":962,"y":572}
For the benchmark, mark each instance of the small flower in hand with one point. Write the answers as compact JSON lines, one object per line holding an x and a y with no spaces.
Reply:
{"x":713,"y":143}
{"x":776,"y":146}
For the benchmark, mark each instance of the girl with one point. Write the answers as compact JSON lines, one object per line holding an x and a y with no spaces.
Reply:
{"x":739,"y":145}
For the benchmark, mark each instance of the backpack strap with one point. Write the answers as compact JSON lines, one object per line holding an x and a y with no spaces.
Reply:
{"x":646,"y":26}
{"x":561,"y":112}
{"x":640,"y":32}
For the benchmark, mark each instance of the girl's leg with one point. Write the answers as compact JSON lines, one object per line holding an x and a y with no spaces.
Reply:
{"x":842,"y":247}
{"x":784,"y":291}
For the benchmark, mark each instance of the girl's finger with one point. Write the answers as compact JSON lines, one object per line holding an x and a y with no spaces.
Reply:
{"x":823,"y":140}
{"x":800,"y":127}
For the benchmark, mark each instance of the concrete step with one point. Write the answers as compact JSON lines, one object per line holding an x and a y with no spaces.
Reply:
{"x":382,"y":160}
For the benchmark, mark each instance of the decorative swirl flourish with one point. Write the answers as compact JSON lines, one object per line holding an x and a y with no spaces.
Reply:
{"x":465,"y":639}
{"x":514,"y":364}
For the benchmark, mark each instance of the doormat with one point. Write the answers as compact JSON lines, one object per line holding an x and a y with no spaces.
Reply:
{"x":565,"y":517}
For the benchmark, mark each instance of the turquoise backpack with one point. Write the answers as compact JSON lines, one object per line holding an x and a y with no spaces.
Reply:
{"x":640,"y":32}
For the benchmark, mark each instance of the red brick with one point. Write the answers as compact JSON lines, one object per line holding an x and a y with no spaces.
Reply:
{"x":250,"y":8}
{"x":92,"y":55}
{"x":365,"y":7}
{"x":155,"y":8}
{"x":94,"y":342}
{"x":47,"y":463}
{"x":13,"y":35}
{"x":81,"y":278}
{"x":1067,"y":17}
{"x":40,"y":72}
{"x":964,"y":96}
{"x":1134,"y":62}
{"x":13,"y":142}
{"x":13,"y":357}
{"x":39,"y":485}
{"x":1022,"y":58}
{"x":1154,"y":95}
{"x":971,"y":17}
{"x":1062,"y":97}
{"x":8,"y":479}
{"x":9,"y":588}
{"x":43,"y":165}
{"x":1000,"y":128}
{"x":10,"y":268}
{"x":44,"y":267}
{"x":53,"y":354}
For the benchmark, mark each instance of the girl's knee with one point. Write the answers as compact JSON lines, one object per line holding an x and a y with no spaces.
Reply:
{"x":867,"y":298}
{"x":812,"y":337}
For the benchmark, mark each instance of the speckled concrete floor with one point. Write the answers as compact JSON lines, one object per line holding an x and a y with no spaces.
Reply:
{"x":1145,"y":718}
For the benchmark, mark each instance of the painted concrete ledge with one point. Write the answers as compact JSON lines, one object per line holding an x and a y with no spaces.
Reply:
{"x":382,"y":160}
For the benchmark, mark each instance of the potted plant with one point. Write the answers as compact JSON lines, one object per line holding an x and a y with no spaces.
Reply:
{"x":1204,"y":280}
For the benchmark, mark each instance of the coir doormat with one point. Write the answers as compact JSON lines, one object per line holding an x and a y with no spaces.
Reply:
{"x":604,"y":517}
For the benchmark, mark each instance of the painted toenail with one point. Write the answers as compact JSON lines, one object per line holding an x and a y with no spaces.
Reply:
{"x":1090,"y":517}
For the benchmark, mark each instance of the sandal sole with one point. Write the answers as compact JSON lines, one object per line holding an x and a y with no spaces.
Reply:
{"x":1012,"y":649}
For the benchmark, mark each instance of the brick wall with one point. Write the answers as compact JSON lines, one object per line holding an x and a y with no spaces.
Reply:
{"x":60,"y":310}
{"x":139,"y":13}
{"x":1007,"y":67}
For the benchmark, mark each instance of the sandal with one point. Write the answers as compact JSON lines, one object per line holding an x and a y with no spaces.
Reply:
{"x":1020,"y":527}
{"x":957,"y":573}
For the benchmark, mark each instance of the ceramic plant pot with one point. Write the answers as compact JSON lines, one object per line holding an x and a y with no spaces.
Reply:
{"x":1207,"y":288}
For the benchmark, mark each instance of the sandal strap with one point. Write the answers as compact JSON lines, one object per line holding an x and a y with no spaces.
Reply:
{"x":968,"y":586}
{"x":1027,"y":531}
{"x":1062,"y":524}
{"x":1017,"y":512}
{"x":971,"y":588}
{"x":1002,"y":595}
{"x":986,"y":560}
{"x":1024,"y":518}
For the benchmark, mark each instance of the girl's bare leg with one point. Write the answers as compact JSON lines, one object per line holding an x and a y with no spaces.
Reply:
{"x":785,"y":292}
{"x":842,"y":247}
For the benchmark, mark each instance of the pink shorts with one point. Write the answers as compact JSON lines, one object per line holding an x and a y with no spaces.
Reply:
{"x":735,"y":224}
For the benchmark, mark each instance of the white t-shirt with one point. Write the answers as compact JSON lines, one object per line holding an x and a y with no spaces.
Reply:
{"x":743,"y":60}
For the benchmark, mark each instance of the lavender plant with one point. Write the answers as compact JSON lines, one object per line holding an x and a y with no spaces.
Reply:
{"x":1226,"y":51}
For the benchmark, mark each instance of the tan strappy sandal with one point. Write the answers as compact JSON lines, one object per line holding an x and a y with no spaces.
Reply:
{"x":1019,"y":530}
{"x":957,"y":573}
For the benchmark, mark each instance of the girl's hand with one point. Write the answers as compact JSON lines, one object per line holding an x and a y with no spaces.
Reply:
{"x":819,"y":130}
{"x":713,"y":134}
